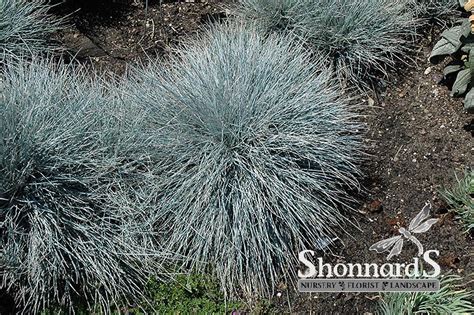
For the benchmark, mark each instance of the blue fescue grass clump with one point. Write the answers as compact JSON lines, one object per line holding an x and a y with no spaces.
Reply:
{"x":358,"y":37}
{"x":25,"y":27}
{"x":461,"y":199}
{"x":72,"y":229}
{"x":253,"y":149}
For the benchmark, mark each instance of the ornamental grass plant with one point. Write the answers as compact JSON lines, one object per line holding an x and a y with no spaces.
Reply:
{"x":254,"y":152}
{"x":73,"y":230}
{"x":360,"y":39}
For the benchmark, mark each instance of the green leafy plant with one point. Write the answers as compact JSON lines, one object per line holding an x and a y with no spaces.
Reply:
{"x":461,"y":199}
{"x":193,"y":294}
{"x":357,"y":37}
{"x":458,"y":42}
{"x":450,"y":299}
{"x":26,"y":27}
{"x":255,"y":150}
{"x":72,"y":229}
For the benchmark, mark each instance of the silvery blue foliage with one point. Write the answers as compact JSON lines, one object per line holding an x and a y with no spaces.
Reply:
{"x":254,"y":150}
{"x":438,"y":10}
{"x":71,"y":224}
{"x":25,"y":27}
{"x":357,"y":37}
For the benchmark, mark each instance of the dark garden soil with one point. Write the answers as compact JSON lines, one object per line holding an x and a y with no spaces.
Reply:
{"x":419,"y":139}
{"x":109,"y":35}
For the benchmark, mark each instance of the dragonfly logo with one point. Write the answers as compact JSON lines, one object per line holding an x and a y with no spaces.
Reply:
{"x":418,"y":225}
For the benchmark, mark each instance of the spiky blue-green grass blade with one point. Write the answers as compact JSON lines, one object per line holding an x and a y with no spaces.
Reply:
{"x":26,"y":28}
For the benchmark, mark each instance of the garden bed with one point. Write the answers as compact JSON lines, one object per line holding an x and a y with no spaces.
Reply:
{"x":419,"y":139}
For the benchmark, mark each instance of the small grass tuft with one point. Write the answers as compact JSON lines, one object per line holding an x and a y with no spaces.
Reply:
{"x":450,"y":299}
{"x":439,"y":11}
{"x":461,"y":199}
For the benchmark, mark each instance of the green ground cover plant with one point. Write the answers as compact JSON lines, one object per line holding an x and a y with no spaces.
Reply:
{"x":193,"y":294}
{"x":458,"y":43}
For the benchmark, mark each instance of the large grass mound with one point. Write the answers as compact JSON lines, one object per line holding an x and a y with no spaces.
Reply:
{"x":253,"y":148}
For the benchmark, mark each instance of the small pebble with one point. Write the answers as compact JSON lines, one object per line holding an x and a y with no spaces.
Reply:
{"x":371,"y":101}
